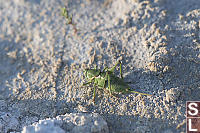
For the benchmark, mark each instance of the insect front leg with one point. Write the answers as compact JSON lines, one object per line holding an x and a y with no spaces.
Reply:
{"x":109,"y":86}
{"x":84,"y":84}
{"x":94,"y":93}
{"x":90,"y":81}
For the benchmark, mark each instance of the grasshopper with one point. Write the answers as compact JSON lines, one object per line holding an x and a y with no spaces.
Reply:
{"x":107,"y":79}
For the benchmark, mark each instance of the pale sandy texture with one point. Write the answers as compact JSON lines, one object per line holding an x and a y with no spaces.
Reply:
{"x":41,"y":60}
{"x":70,"y":123}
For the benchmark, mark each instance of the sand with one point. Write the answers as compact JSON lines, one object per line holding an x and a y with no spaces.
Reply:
{"x":42,"y":61}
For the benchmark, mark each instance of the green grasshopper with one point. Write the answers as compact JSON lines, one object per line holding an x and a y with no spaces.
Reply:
{"x":107,"y":79}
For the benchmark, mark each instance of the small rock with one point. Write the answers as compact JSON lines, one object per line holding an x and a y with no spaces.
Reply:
{"x":43,"y":126}
{"x":172,"y":94}
{"x":72,"y":123}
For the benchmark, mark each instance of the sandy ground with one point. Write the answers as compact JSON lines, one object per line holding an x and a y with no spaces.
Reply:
{"x":42,"y":60}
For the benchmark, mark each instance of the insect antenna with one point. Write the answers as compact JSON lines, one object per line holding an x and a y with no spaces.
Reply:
{"x":140,"y":93}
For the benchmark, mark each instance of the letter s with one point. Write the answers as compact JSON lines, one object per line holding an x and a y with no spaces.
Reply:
{"x":192,"y":108}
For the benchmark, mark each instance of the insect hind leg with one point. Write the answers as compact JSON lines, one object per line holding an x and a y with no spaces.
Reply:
{"x":113,"y":68}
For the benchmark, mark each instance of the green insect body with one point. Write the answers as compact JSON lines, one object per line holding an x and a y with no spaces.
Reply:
{"x":107,"y":79}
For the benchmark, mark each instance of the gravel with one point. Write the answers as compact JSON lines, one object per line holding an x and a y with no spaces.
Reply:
{"x":42,"y":61}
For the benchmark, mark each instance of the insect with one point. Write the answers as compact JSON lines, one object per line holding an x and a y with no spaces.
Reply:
{"x":107,"y":79}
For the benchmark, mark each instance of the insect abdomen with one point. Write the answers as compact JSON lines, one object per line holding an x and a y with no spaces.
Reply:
{"x":118,"y":85}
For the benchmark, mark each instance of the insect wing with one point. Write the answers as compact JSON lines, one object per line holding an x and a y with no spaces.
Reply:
{"x":118,"y":85}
